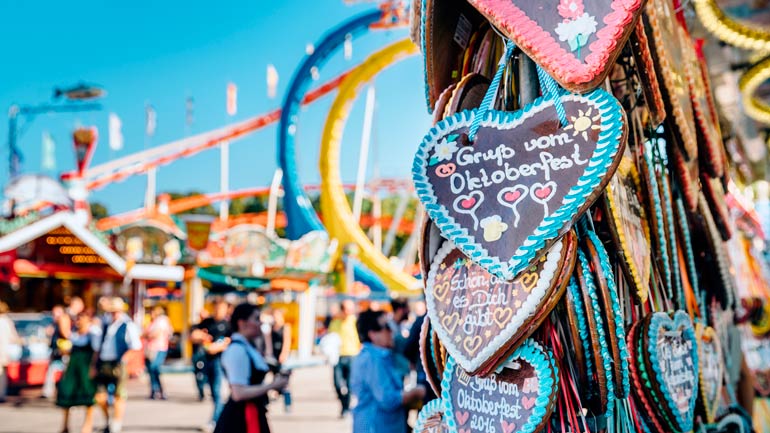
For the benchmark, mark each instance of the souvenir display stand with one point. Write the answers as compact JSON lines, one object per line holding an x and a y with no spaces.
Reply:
{"x":590,"y":261}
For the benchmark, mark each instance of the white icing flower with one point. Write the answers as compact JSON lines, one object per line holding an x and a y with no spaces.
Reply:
{"x":445,"y":150}
{"x":576,"y":32}
{"x":493,"y":227}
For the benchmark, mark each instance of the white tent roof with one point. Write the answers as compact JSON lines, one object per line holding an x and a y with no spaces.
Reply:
{"x":68,"y":220}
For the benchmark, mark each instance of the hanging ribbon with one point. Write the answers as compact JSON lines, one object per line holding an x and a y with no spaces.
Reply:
{"x":553,"y":91}
{"x":489,"y":98}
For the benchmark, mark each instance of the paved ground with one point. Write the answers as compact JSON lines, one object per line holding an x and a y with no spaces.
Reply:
{"x":315,"y":408}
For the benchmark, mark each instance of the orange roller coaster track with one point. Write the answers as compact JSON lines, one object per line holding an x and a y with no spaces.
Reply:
{"x":186,"y":203}
{"x":114,"y":171}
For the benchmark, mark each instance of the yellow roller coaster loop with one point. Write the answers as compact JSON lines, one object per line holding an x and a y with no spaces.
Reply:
{"x":749,"y":83}
{"x":338,"y":216}
{"x":736,"y":33}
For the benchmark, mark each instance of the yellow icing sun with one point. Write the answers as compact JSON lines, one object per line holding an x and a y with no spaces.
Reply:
{"x":583,"y":122}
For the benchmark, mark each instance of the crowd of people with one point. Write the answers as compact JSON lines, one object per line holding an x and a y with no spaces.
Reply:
{"x":88,"y":366}
{"x":90,"y":350}
{"x":375,"y":356}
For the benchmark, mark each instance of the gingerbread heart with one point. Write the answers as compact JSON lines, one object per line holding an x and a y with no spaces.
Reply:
{"x":519,"y":396}
{"x":628,"y":224}
{"x":431,"y":418}
{"x":575,"y":41}
{"x":710,"y":145}
{"x":640,"y":379}
{"x":757,"y":355}
{"x":673,"y":361}
{"x":646,"y":68}
{"x":446,"y":30}
{"x":563,"y":168}
{"x":481,"y":309}
{"x":427,"y":357}
{"x":667,"y":36}
{"x":712,"y":370}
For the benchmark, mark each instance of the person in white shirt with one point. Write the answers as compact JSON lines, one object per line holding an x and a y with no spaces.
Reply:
{"x":157,"y":335}
{"x":245,"y":369}
{"x":120,"y":336}
{"x":8,"y":336}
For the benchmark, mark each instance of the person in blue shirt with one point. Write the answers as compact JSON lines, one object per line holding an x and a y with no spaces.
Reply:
{"x":375,"y":381}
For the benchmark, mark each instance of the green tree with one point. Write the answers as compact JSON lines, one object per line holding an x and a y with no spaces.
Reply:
{"x":244,"y":205}
{"x":99,"y":211}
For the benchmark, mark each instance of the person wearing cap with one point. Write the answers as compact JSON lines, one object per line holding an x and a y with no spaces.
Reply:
{"x":120,"y":336}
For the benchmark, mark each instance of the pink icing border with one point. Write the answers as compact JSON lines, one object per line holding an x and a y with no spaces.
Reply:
{"x":564,"y":66}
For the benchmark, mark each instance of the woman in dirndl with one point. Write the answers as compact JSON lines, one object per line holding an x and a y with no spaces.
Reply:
{"x":245,"y":369}
{"x":76,"y":387}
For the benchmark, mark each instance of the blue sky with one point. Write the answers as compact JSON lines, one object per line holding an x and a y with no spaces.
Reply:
{"x":162,"y":52}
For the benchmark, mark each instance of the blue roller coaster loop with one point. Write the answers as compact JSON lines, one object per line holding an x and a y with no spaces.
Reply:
{"x":299,"y":210}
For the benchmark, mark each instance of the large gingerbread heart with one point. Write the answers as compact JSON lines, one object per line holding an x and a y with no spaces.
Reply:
{"x":575,"y":41}
{"x":673,"y":361}
{"x":519,"y":397}
{"x":476,"y":314}
{"x":504,"y":200}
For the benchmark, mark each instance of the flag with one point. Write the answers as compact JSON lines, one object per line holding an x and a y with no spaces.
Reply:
{"x":150,"y":120}
{"x":189,"y":105}
{"x":272,"y":81}
{"x":232,"y":99}
{"x":48,"y":159}
{"x":348,"y":46}
{"x":115,"y":131}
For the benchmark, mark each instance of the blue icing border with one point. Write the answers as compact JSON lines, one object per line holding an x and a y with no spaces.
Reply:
{"x":672,"y":243}
{"x":655,"y":192}
{"x":547,"y":377}
{"x":607,"y":147}
{"x":581,"y":324}
{"x":693,"y":274}
{"x":603,"y":344}
{"x":433,"y":349}
{"x":423,"y":45}
{"x":657,"y":321}
{"x":620,"y":331}
{"x":431,"y":408}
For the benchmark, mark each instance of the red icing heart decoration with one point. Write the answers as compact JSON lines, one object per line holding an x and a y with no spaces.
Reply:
{"x":468,"y":203}
{"x":544,"y":192}
{"x":575,"y":41}
{"x":462,"y":417}
{"x":511,"y":197}
{"x":507,"y":427}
